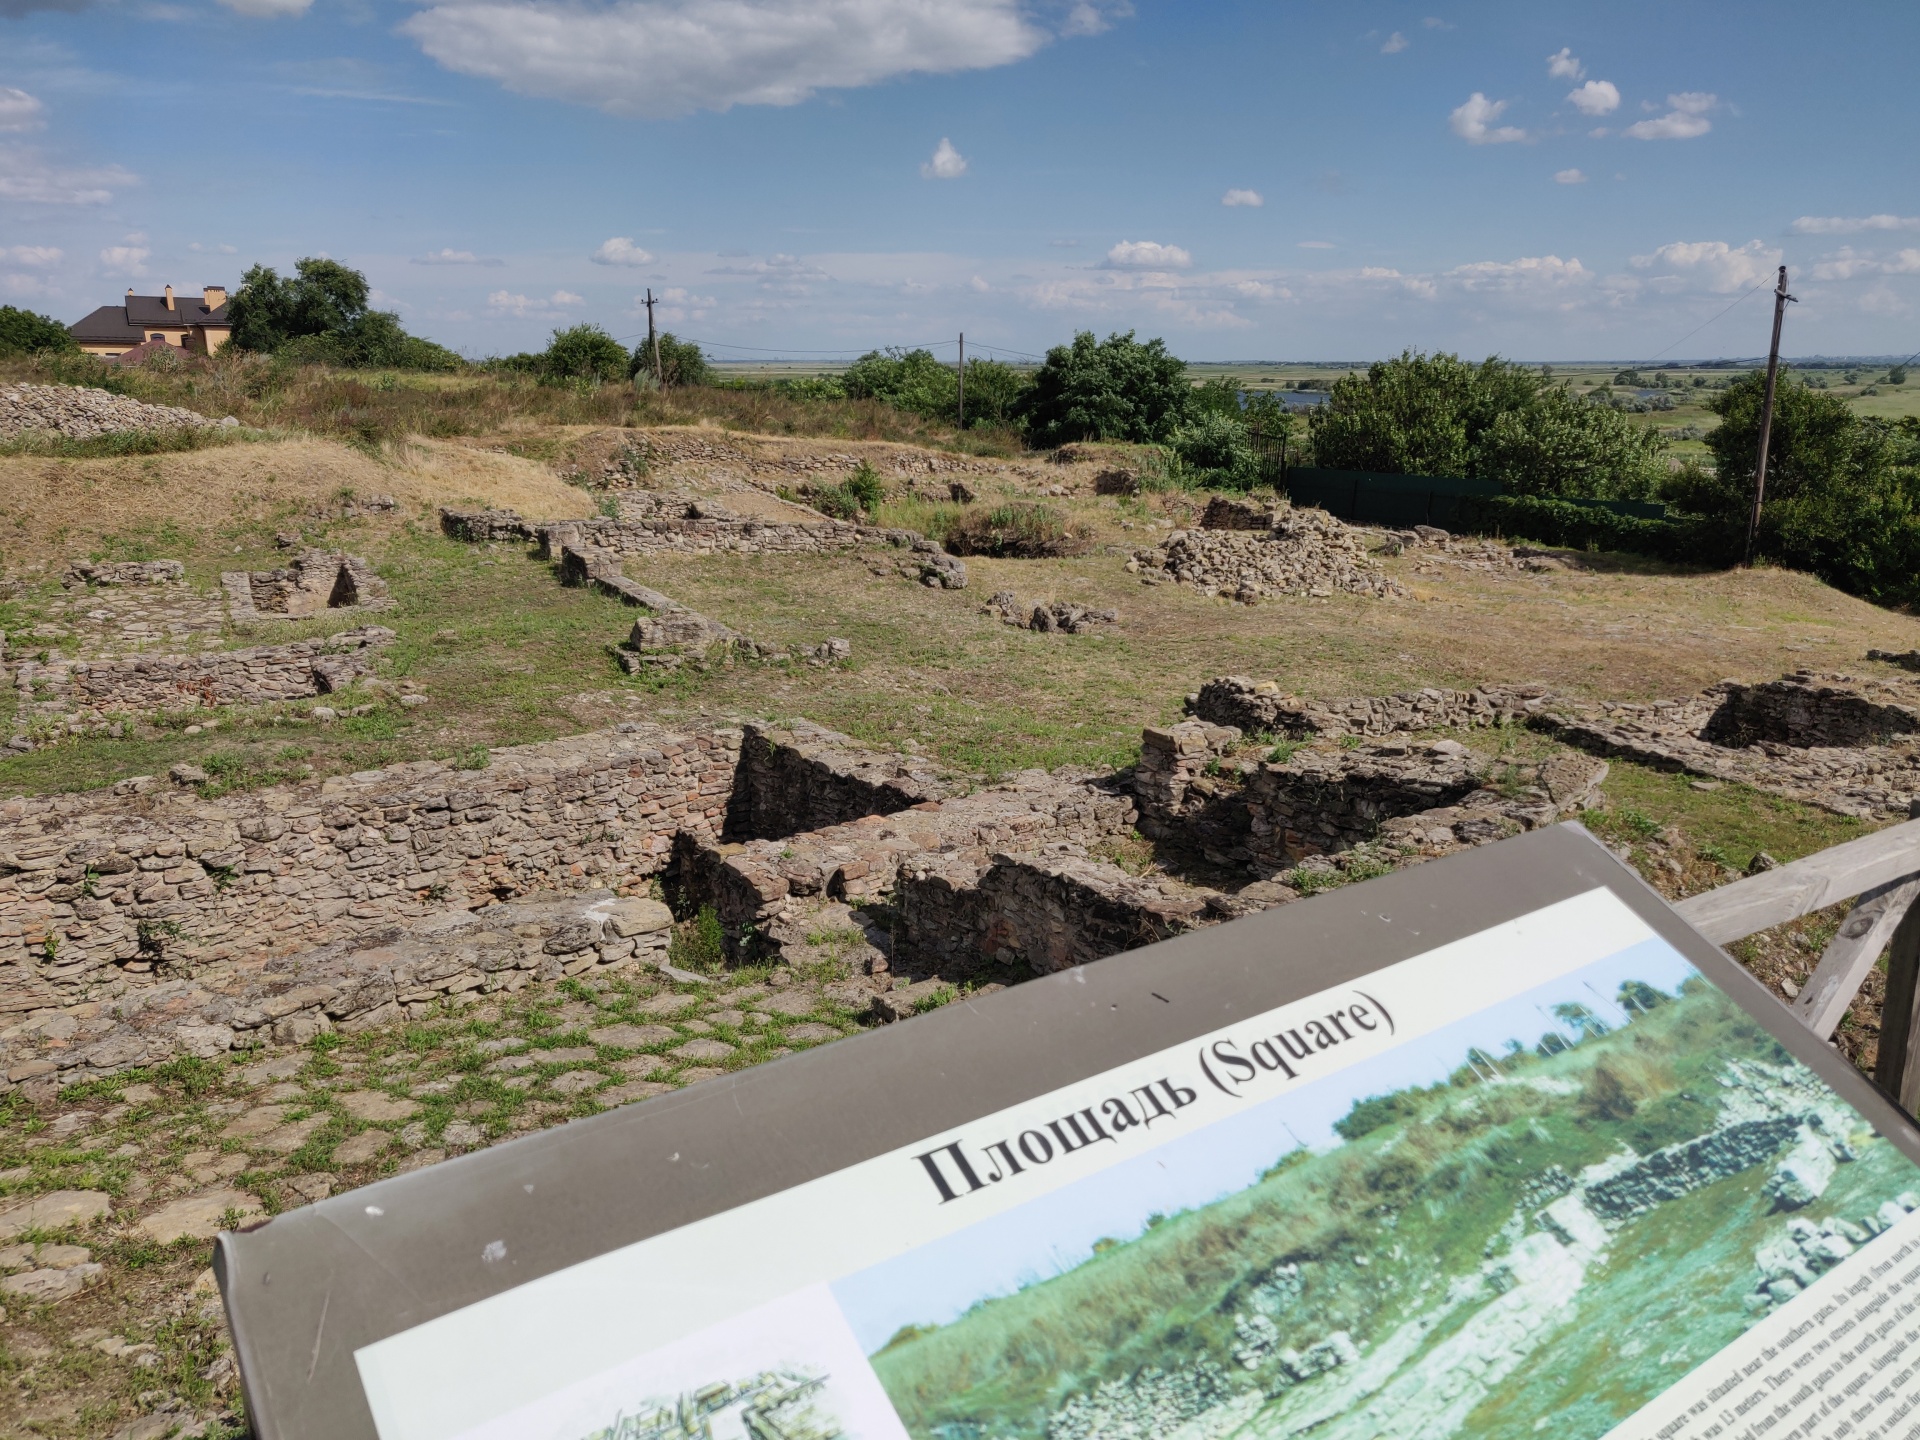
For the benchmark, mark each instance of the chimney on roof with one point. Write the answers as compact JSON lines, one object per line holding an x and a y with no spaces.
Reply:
{"x":129,"y":292}
{"x":215,"y":296}
{"x":169,"y":297}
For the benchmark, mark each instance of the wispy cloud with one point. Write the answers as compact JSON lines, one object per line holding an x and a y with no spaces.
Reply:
{"x":505,"y":302}
{"x":1395,"y":43}
{"x":32,"y":256}
{"x":1473,"y":122}
{"x":1684,"y":121}
{"x":621,"y":250}
{"x":1236,"y":198}
{"x":1147,"y":255}
{"x":19,"y":110}
{"x":449,"y":256}
{"x":1853,"y":224}
{"x":1565,"y":65}
{"x":1570,"y":177}
{"x":26,"y":177}
{"x":662,"y":58}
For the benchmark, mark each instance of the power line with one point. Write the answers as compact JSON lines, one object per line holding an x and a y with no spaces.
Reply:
{"x":1698,"y":328}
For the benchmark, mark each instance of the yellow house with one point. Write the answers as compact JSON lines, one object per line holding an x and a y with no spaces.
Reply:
{"x":200,"y":325}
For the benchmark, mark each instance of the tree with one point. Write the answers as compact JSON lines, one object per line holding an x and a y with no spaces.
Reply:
{"x":994,"y":392}
{"x":1843,"y":493}
{"x":681,"y":361}
{"x":1437,"y":414}
{"x":321,"y":317}
{"x":1113,"y":389}
{"x":584,"y":352}
{"x":911,"y":380}
{"x":23,"y":332}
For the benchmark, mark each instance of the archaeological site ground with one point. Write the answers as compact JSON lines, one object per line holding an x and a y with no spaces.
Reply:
{"x":379,"y":789}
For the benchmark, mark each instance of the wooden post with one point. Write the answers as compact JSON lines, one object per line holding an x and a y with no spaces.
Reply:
{"x":1898,"y":1069}
{"x":1780,"y":299}
{"x":963,"y":379}
{"x":653,"y":343}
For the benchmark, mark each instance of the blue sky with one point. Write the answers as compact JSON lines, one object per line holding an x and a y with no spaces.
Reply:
{"x":938,"y":1282}
{"x":1257,"y":180}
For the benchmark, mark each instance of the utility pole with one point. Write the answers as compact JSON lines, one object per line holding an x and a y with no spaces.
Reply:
{"x":963,"y":379}
{"x":653,"y":343}
{"x":1780,"y":299}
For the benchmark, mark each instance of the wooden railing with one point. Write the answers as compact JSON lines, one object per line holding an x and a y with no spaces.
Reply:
{"x":1880,"y":873}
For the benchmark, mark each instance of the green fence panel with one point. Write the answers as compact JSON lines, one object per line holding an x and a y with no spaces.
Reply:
{"x":1365,"y":497}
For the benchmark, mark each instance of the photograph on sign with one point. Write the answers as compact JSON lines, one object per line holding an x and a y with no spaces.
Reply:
{"x":1550,"y":1172}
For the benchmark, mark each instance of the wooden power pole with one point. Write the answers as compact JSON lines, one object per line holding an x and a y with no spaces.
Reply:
{"x":653,"y":343}
{"x":1780,"y":299}
{"x":963,"y":379}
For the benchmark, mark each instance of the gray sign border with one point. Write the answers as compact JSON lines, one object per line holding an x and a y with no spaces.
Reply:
{"x":307,"y":1289}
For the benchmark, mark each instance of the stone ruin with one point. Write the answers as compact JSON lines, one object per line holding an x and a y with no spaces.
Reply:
{"x":316,"y":582}
{"x":93,"y":669}
{"x":1250,"y":554}
{"x":1047,"y":616}
{"x":79,"y":412}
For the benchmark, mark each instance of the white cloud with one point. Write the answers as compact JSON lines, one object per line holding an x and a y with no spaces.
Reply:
{"x":1712,"y":265}
{"x":980,"y":285}
{"x":125,"y":259}
{"x":1596,"y":97}
{"x":1473,"y":122}
{"x":1570,"y":177}
{"x":1853,"y":224}
{"x":1242,"y":197}
{"x":26,"y":177}
{"x":449,"y":256}
{"x":1565,"y":65}
{"x":621,"y":250}
{"x":1530,"y":272}
{"x":19,"y":110}
{"x":1088,"y":19}
{"x":947,"y":163}
{"x":1434,"y":22}
{"x":32,"y":256}
{"x":504,"y":302}
{"x":661,"y":58}
{"x":1147,"y":255}
{"x":1687,"y":118}
{"x":197,"y":248}
{"x":268,"y":9}
{"x":1316,"y":245}
{"x":1850,"y":265}
{"x":27,"y":287}
{"x":1396,"y":42}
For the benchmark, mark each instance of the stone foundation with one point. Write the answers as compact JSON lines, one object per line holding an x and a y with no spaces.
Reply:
{"x":320,"y":580}
{"x":144,"y":683}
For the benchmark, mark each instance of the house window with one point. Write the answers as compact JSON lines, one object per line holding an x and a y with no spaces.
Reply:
{"x":157,"y":337}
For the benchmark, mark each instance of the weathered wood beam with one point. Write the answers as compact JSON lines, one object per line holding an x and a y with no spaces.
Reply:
{"x":1850,"y":955}
{"x":1898,"y":1069}
{"x":1787,"y":892}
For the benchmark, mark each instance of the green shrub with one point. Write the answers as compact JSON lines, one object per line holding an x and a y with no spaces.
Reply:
{"x":857,"y":496}
{"x":583,"y":352}
{"x":911,"y":380}
{"x":320,"y":317}
{"x":1112,"y":389}
{"x":23,"y":332}
{"x":681,"y":361}
{"x":1028,"y":532}
{"x":1214,"y":450}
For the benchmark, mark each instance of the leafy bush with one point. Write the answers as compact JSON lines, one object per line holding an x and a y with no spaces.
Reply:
{"x":681,"y":361}
{"x":23,"y":332}
{"x":1028,"y":532}
{"x":858,"y":495}
{"x":995,"y":391}
{"x":1374,"y":1111}
{"x":1112,"y":389}
{"x":584,"y":352}
{"x":1214,"y":450}
{"x":911,"y":380}
{"x":1439,"y":415}
{"x":1547,"y":521}
{"x":320,"y":316}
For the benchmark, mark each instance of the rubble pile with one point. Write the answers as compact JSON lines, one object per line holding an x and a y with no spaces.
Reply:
{"x":1049,"y":616}
{"x":1306,"y":552}
{"x":81,"y":413}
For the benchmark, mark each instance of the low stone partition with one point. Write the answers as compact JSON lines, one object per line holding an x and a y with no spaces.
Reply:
{"x":319,"y":581}
{"x":381,"y":978}
{"x":124,"y":572}
{"x":703,"y":534}
{"x":483,"y":527}
{"x":260,"y":675}
{"x":762,"y":888}
{"x":1262,"y":708}
{"x":804,"y":776}
{"x":1812,"y":711}
{"x":100,"y":891}
{"x":959,"y":916}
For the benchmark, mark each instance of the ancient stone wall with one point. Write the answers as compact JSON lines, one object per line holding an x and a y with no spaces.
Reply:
{"x":708,"y":535}
{"x":258,"y":675}
{"x":806,"y":777}
{"x":99,"y":890}
{"x":318,"y":581}
{"x":1261,"y":708}
{"x":1806,"y":710}
{"x":1318,"y":803}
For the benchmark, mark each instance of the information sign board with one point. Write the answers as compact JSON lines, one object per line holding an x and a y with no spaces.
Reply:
{"x":1495,"y":1146}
